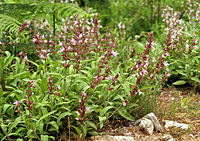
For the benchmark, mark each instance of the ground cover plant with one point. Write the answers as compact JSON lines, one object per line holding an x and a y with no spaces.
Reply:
{"x":65,"y":72}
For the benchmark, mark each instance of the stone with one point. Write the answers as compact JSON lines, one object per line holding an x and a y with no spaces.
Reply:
{"x":155,"y":121}
{"x":169,"y":124}
{"x":112,"y":138}
{"x":146,"y":125}
{"x":168,"y":138}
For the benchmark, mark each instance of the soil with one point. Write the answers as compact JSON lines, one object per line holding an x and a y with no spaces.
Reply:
{"x":180,"y":105}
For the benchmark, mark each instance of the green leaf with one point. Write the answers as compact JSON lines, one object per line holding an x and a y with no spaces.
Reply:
{"x":126,"y":87}
{"x":20,"y":129}
{"x":146,"y":87}
{"x":17,"y":75}
{"x":187,"y":33}
{"x":44,"y":84}
{"x":8,"y":59}
{"x":179,"y":82}
{"x":63,"y":115}
{"x":84,"y":130}
{"x":41,"y":104}
{"x":196,"y":79}
{"x":139,"y":47}
{"x":5,"y":107}
{"x":63,"y":103}
{"x":44,"y":137}
{"x":57,"y":74}
{"x":77,"y":129}
{"x":54,"y":124}
{"x":104,"y":110}
{"x":119,"y":97}
{"x":41,"y":127}
{"x":34,"y":63}
{"x":14,"y":124}
{"x":29,"y":132}
{"x":4,"y":127}
{"x":71,"y":69}
{"x":87,"y":73}
{"x":45,"y":116}
{"x":123,"y":112}
{"x":91,"y":124}
{"x":101,"y":120}
{"x":131,"y":105}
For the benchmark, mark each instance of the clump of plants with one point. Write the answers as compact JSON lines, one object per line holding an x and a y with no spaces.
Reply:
{"x":76,"y":81}
{"x":184,"y":46}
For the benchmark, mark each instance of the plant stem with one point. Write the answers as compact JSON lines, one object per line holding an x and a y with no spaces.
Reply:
{"x":115,"y":111}
{"x":65,"y":83}
{"x":51,"y":103}
{"x":54,"y":20}
{"x":69,"y":127}
{"x":3,"y":81}
{"x":34,"y":131}
{"x":45,"y":67}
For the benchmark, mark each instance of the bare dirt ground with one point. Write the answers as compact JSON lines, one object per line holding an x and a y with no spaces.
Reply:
{"x":180,"y":105}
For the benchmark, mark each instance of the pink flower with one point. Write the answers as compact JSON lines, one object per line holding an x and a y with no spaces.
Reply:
{"x":120,"y":25}
{"x":59,"y":87}
{"x":76,"y":22}
{"x":110,"y":77}
{"x":17,"y":103}
{"x":115,"y":53}
{"x":166,"y":64}
{"x":62,"y":49}
{"x":42,"y":56}
{"x":34,"y":40}
{"x":124,"y":103}
{"x":73,"y":41}
{"x":88,"y":109}
{"x":143,"y":72}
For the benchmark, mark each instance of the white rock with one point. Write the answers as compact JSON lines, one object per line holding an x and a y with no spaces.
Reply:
{"x":168,"y":138}
{"x":146,"y":125}
{"x":191,"y":135}
{"x":112,"y":138}
{"x":155,"y":121}
{"x":149,"y":126}
{"x":169,"y":123}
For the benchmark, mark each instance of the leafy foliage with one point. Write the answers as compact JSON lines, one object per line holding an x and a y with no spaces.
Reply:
{"x":9,"y":24}
{"x":65,"y":73}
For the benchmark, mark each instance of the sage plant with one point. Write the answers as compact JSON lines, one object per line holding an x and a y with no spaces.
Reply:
{"x":149,"y":68}
{"x":79,"y":38}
